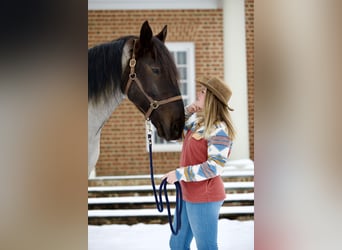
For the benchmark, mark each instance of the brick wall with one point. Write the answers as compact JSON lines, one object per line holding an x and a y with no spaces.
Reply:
{"x":123,"y":148}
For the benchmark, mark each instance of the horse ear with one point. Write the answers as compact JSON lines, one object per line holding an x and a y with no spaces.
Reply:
{"x":145,"y":35}
{"x":162,"y":35}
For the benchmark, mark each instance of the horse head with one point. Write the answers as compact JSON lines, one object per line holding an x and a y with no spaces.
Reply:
{"x":150,"y":81}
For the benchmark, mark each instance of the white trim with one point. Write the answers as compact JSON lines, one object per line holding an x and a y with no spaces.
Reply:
{"x":169,"y":147}
{"x":227,"y":173}
{"x":149,"y":188}
{"x":235,"y":72}
{"x":150,"y":199}
{"x":153,"y":4}
{"x":233,"y":168}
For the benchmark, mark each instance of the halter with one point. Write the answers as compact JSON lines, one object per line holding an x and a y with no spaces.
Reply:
{"x":133,"y":78}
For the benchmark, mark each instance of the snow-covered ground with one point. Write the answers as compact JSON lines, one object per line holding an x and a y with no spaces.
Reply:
{"x":232,"y":235}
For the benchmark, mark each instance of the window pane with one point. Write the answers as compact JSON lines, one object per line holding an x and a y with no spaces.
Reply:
{"x":181,"y":57}
{"x":186,"y":102}
{"x":157,"y":139}
{"x":183,"y":88}
{"x":182,"y":73}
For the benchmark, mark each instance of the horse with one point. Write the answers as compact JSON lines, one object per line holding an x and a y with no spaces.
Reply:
{"x":142,"y":69}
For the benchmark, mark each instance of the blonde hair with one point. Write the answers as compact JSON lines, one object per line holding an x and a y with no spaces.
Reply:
{"x":215,"y":112}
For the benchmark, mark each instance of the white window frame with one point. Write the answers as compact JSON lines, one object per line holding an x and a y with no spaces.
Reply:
{"x":189,"y":48}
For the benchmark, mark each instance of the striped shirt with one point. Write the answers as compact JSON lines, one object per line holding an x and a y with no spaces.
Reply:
{"x":202,"y":161}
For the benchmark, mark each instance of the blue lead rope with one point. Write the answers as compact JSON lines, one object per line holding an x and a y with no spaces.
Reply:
{"x":159,"y":202}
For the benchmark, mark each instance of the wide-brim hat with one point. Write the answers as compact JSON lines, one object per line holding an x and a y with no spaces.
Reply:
{"x":218,"y":87}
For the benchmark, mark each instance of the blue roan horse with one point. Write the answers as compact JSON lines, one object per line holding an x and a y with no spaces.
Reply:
{"x":141,"y":68}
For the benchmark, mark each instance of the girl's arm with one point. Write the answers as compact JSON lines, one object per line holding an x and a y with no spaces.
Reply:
{"x":189,"y":111}
{"x":219,"y":146}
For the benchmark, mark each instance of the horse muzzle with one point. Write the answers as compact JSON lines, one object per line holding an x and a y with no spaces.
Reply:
{"x":171,"y":132}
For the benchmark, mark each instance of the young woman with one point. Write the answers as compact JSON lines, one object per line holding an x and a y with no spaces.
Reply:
{"x":206,"y":147}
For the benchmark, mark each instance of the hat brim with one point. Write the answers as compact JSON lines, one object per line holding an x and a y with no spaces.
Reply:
{"x":208,"y":86}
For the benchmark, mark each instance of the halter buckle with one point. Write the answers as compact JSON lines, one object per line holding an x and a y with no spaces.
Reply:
{"x":154,"y":104}
{"x":132,"y":75}
{"x":132,"y":62}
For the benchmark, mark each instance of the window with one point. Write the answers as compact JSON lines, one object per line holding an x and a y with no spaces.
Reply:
{"x":184,"y":56}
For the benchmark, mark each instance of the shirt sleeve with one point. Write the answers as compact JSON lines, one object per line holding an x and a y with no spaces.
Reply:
{"x":219,"y":146}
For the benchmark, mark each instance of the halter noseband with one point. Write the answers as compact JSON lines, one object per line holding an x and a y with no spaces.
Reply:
{"x":133,"y":77}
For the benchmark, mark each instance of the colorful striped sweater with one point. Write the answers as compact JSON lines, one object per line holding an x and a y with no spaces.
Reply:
{"x":218,"y":150}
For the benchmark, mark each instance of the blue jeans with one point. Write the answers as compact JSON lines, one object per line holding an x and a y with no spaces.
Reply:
{"x":198,"y":220}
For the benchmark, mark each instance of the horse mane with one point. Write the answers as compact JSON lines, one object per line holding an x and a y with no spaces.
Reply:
{"x":105,"y":70}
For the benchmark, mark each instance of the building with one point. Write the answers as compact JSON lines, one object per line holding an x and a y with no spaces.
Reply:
{"x":217,"y":37}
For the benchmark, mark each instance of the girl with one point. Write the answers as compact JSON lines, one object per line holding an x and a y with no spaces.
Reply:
{"x":206,"y":147}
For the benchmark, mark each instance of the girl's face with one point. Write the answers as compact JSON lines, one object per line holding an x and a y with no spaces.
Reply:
{"x":201,"y":96}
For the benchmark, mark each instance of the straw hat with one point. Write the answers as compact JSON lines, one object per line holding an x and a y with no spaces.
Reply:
{"x":218,"y":88}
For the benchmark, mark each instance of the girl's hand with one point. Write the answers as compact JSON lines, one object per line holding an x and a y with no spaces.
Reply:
{"x":170,"y":177}
{"x":193,"y":108}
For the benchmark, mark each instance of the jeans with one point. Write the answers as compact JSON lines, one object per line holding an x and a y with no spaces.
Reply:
{"x":198,"y":220}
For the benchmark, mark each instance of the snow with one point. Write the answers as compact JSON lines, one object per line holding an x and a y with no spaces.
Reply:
{"x":232,"y":235}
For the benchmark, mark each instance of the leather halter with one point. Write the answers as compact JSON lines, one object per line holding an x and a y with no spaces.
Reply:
{"x":133,"y":78}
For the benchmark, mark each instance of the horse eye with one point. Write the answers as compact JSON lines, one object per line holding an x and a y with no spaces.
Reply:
{"x":156,"y":70}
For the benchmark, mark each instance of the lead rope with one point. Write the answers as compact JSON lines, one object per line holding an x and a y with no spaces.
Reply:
{"x":159,"y":203}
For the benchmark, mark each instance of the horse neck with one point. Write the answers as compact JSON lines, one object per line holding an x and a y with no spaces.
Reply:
{"x":100,"y":111}
{"x":98,"y":114}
